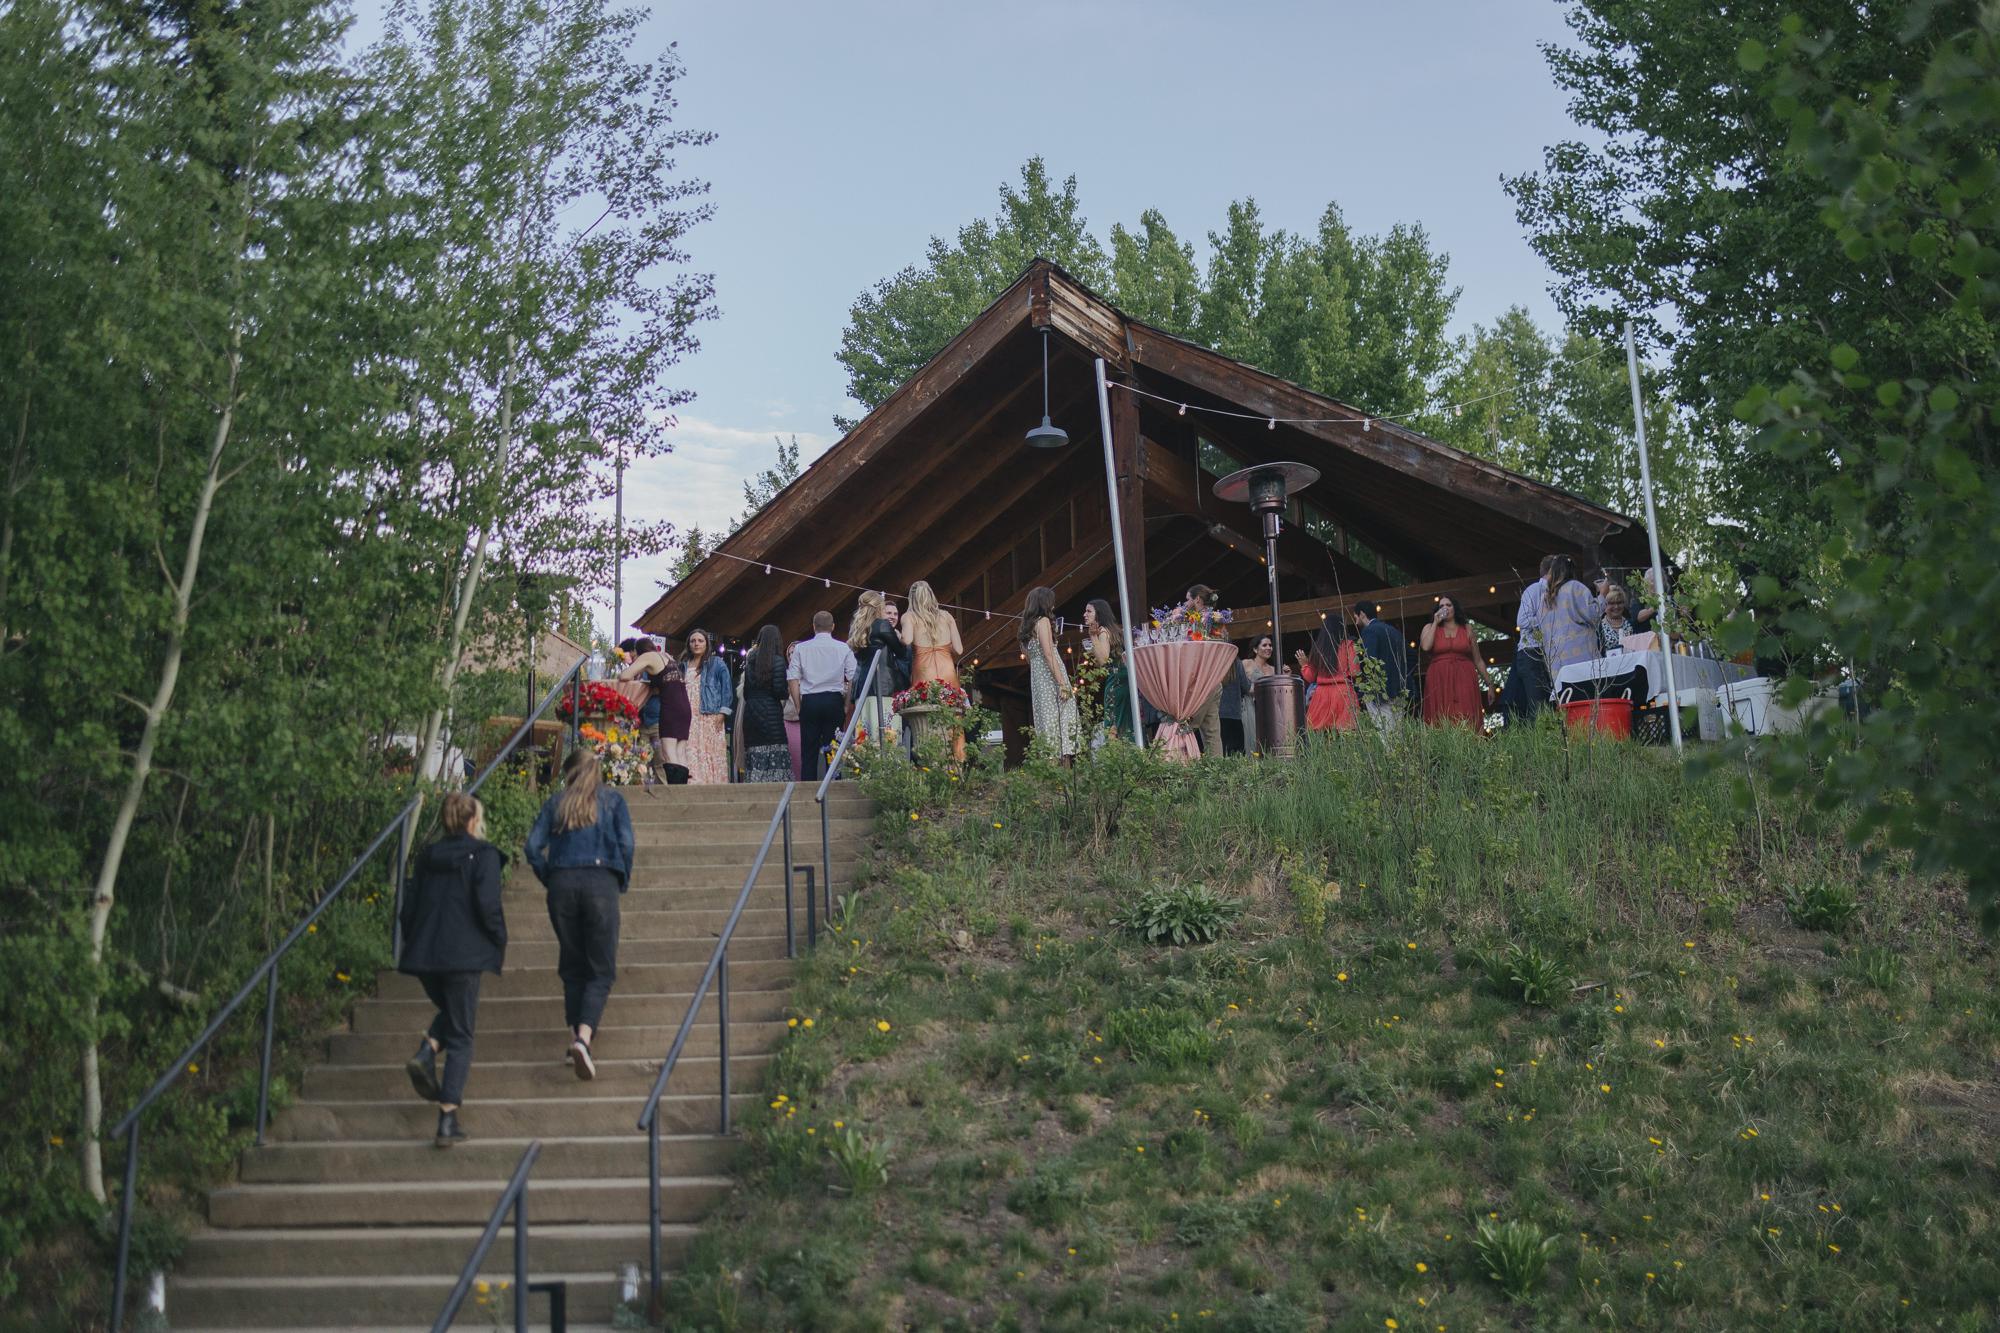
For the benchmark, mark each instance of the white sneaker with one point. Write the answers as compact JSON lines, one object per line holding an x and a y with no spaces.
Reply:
{"x":579,"y":1057}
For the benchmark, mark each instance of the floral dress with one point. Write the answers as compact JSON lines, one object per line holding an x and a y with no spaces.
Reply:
{"x":708,"y":737}
{"x":1055,"y":716}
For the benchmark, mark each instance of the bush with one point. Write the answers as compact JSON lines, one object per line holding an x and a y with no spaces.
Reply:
{"x":1822,"y":904}
{"x":1179,"y":914}
{"x":861,"y":1163}
{"x":1527,"y":973}
{"x":1515,"y":1255}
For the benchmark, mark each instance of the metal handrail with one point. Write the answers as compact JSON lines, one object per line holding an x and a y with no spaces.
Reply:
{"x":515,"y":1196}
{"x":267,"y":972}
{"x":832,"y":772}
{"x":716,"y":974}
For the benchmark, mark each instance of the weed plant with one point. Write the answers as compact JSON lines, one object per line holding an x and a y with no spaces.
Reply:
{"x":1510,"y":1033}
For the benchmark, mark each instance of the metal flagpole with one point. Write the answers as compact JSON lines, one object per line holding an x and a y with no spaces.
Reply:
{"x":1653,"y":540}
{"x":1118,"y":551}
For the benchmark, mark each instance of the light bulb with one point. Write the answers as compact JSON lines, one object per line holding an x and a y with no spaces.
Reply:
{"x":1366,"y":423}
{"x":1183,"y":411}
{"x":1272,"y":424}
{"x":827,"y":582}
{"x":767,"y":569}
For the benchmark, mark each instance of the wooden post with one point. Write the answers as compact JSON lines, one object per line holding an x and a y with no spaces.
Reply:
{"x":1129,"y":455}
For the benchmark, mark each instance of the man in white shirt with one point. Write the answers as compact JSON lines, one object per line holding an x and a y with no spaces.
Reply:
{"x":821,"y":672}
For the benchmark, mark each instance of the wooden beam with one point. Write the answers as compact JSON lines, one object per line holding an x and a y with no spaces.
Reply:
{"x":1089,"y":322}
{"x":1091,"y":557}
{"x":1171,"y":479}
{"x":1384,"y":444}
{"x":1475,"y":593}
{"x":1128,"y":454}
{"x":950,"y":368}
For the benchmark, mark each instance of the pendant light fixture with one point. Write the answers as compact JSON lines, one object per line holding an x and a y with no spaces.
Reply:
{"x":1047,"y":435}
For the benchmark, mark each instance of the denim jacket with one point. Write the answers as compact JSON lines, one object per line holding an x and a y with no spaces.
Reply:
{"x":718,"y":692}
{"x":607,"y":843}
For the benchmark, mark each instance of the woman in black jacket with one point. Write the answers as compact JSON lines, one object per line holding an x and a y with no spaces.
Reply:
{"x":453,"y":930}
{"x":760,"y":722}
{"x":581,"y":850}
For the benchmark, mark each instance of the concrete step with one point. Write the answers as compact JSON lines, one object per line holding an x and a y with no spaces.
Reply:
{"x":366,"y":1253}
{"x":343,"y":1302}
{"x":633,"y":949}
{"x":546,"y":1042}
{"x":493,"y":1081}
{"x":528,"y":913}
{"x":625,"y":1008}
{"x":729,"y":877}
{"x":576,"y":1116}
{"x":380,"y":1203}
{"x":724,"y":825}
{"x":697,"y":852}
{"x":482,"y":1159}
{"x":633,"y":976}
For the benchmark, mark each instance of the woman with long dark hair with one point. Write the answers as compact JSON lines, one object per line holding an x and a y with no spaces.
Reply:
{"x":711,"y":699}
{"x":1104,"y":640}
{"x":581,"y":850}
{"x":1570,"y":618}
{"x":761,"y":721}
{"x":1332,"y":667}
{"x":1049,"y":688}
{"x":1452,"y":691}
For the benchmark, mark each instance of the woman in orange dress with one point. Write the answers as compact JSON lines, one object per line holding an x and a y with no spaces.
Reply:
{"x":1451,"y":680}
{"x":1333,"y":667}
{"x":933,"y":638}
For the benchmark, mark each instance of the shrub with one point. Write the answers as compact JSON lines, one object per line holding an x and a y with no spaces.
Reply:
{"x":1526,"y":972}
{"x":1179,"y":914}
{"x":1515,"y":1255}
{"x":1822,"y":904}
{"x":861,"y":1163}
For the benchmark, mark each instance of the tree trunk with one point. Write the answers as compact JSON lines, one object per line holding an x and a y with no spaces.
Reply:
{"x":103,"y":894}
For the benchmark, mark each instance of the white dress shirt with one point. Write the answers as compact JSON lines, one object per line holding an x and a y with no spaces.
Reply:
{"x":821,"y":665}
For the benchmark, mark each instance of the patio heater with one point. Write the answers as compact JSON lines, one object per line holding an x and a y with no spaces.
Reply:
{"x":1266,"y":488}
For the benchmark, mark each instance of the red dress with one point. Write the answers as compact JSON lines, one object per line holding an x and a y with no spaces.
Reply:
{"x":1334,"y":706}
{"x":1451,"y":681}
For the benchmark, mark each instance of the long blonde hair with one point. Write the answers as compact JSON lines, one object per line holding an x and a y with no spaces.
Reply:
{"x":866,"y":612}
{"x":925,"y":611}
{"x":583,"y":778}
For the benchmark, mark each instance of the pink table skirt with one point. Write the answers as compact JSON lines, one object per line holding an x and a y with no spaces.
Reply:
{"x":1178,"y":678}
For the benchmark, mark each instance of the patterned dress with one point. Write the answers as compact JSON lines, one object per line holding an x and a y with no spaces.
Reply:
{"x":1055,"y":716}
{"x":708,"y":740}
{"x":1570,"y":628}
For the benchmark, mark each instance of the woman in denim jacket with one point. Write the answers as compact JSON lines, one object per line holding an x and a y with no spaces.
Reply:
{"x":711,"y":698}
{"x":581,"y":850}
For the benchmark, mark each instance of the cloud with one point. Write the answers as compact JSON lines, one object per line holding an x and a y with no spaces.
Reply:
{"x":700,"y":484}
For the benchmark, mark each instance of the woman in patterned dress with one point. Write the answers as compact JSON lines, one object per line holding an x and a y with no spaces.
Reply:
{"x":711,"y":699}
{"x":1048,"y":681}
{"x":1570,"y":616}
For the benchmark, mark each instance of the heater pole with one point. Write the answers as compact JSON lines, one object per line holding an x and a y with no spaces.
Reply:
{"x":1653,"y":540}
{"x":1118,"y":551}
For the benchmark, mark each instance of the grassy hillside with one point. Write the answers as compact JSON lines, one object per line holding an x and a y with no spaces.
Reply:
{"x":1504,"y":1034}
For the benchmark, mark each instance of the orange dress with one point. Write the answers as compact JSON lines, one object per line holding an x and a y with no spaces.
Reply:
{"x":1334,"y":706}
{"x":937,"y":663}
{"x":1451,"y":681}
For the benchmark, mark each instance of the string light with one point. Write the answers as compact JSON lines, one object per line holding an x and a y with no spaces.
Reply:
{"x":767,"y":569}
{"x":1183,"y":411}
{"x":1271,"y":422}
{"x":1272,"y":425}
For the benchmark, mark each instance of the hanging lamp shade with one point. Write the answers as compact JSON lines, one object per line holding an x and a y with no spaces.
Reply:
{"x":1048,"y":435}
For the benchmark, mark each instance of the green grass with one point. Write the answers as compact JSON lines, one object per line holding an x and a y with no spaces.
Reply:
{"x":1345,"y":1112}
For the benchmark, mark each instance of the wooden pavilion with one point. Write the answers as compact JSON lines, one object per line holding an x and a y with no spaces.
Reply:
{"x":938,"y":484}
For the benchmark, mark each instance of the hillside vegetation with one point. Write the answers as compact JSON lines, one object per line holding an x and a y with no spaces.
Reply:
{"x":1494,"y":1034}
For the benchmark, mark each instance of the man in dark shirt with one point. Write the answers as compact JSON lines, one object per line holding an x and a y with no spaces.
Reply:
{"x":1379,"y":642}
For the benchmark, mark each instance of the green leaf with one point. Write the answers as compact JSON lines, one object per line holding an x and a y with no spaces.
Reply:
{"x":1844,"y":357}
{"x":1944,"y":398}
{"x":1752,"y":55}
{"x":1889,"y":393}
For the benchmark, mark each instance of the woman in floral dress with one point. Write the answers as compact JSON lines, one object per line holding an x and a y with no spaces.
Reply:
{"x":711,"y":699}
{"x":1049,"y":686}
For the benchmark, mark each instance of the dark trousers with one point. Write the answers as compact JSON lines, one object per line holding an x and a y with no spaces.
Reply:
{"x":583,"y":908}
{"x":1232,"y":735}
{"x":820,"y":716}
{"x":456,"y":995}
{"x":1527,"y":689}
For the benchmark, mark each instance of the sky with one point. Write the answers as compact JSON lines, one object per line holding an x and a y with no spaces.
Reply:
{"x":849,"y":132}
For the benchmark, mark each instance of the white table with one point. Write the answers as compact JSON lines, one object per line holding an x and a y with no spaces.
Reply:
{"x":1689,"y":672}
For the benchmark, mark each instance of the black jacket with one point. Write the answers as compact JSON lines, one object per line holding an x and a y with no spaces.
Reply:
{"x":893,"y":676}
{"x":451,"y":908}
{"x":764,"y":696}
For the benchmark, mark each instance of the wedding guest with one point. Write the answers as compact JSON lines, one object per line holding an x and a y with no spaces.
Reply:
{"x":711,"y":699}
{"x":901,"y":661}
{"x":1332,"y":668}
{"x":932,"y":635}
{"x":821,"y":677}
{"x":1527,"y":688}
{"x":453,"y":930}
{"x":1380,"y":642}
{"x":581,"y":849}
{"x":1234,"y":706}
{"x":1614,"y":624}
{"x":760,"y":721}
{"x":792,"y":716}
{"x":1104,"y":640}
{"x":1207,"y":720}
{"x":1260,"y":664}
{"x":646,"y":664}
{"x":1569,"y":620}
{"x":1452,"y":691}
{"x":877,"y":647}
{"x":1049,"y":688}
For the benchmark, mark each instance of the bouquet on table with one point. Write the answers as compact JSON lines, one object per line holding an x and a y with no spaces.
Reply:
{"x":1181,"y":624}
{"x":934,"y":694}
{"x":599,"y":699}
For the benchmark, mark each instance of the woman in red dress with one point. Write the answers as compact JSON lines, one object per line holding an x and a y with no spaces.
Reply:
{"x":1333,"y":667}
{"x":1451,"y":680}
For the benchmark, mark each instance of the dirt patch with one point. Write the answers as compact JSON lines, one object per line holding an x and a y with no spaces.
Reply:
{"x":1769,"y":930}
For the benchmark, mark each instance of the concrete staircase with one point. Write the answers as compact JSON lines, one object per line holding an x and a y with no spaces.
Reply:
{"x":349,"y":1218}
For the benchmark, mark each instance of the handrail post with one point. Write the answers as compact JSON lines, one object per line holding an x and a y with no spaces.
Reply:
{"x":791,"y":941}
{"x":653,"y":1305}
{"x":264,"y":1067}
{"x":812,"y":912}
{"x":521,"y":1260}
{"x":125,"y":1226}
{"x":722,"y":1016}
{"x":576,"y":706}
{"x":826,"y":856}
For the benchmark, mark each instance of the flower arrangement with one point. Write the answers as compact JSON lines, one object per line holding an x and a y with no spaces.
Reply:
{"x":934,"y":694}
{"x":1181,"y":624}
{"x":621,"y":750}
{"x":599,"y":699}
